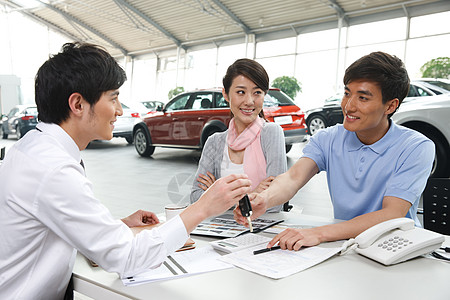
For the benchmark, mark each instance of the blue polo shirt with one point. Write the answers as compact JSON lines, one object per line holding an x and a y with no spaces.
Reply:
{"x":360,"y":175}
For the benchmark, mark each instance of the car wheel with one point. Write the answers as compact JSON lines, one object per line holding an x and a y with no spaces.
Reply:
{"x":142,"y":143}
{"x":18,"y":133}
{"x":129,"y":140}
{"x":288,"y":148}
{"x":208,"y":133}
{"x":315,"y":123}
{"x":441,"y":163}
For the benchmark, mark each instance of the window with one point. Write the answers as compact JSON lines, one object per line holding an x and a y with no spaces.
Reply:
{"x":220,"y":101}
{"x":202,"y":101}
{"x":179,"y":103}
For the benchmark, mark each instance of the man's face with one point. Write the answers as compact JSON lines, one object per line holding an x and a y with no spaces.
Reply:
{"x":364,"y":111}
{"x":103,"y":115}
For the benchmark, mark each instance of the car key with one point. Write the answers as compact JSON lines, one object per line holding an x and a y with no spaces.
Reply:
{"x":246,"y":210}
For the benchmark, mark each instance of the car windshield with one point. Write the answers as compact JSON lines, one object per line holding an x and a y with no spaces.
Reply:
{"x":441,"y":84}
{"x":31,"y":111}
{"x":277,"y":98}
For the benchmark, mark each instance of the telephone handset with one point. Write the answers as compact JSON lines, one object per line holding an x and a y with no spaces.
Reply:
{"x":396,"y":240}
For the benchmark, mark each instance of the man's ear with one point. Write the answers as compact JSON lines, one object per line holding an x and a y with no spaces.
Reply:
{"x":391,"y":106}
{"x":77,"y":104}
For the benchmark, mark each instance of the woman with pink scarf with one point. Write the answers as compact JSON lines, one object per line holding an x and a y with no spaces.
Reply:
{"x":250,"y":145}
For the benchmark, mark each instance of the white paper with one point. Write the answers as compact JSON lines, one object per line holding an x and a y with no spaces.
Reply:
{"x":185,"y":263}
{"x":279,"y":263}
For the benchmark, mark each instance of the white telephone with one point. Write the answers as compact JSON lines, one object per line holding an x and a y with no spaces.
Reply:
{"x":396,"y":240}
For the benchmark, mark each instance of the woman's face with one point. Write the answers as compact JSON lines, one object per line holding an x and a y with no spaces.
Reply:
{"x":246,"y":101}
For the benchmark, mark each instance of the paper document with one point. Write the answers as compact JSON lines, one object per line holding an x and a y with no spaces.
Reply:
{"x":186,"y":263}
{"x":278,"y":264}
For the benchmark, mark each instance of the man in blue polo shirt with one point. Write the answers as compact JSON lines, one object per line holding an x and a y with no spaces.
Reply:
{"x":376,"y":170}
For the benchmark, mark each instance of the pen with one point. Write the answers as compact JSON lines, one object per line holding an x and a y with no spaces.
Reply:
{"x":266,"y":250}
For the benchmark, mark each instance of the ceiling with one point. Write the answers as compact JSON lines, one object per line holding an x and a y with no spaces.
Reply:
{"x":134,"y":27}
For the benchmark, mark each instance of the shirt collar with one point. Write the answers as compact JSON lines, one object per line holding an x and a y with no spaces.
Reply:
{"x":62,"y":137}
{"x":378,"y":147}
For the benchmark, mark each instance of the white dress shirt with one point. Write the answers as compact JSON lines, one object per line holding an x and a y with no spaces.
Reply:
{"x":48,"y":210}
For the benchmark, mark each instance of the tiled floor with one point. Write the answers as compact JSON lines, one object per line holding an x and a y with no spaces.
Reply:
{"x":125,"y":182}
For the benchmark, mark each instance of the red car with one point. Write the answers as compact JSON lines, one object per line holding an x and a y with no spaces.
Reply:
{"x":190,"y":118}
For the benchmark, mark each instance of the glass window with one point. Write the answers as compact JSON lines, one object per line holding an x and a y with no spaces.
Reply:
{"x":430,"y":24}
{"x":202,"y":101}
{"x":369,"y":33}
{"x":178,"y":103}
{"x":220,"y":101}
{"x":276,"y":47}
{"x":320,"y":40}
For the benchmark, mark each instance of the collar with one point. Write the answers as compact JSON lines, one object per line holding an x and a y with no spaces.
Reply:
{"x":354,"y":144}
{"x":62,"y":137}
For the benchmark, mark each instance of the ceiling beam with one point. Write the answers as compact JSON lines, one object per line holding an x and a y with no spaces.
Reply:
{"x":341,"y":12}
{"x":24,"y":10}
{"x":85,"y":26}
{"x":149,"y":20}
{"x":233,"y":16}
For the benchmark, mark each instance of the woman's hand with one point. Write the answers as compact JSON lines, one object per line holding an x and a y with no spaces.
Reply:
{"x":264,"y":184}
{"x":206,"y":180}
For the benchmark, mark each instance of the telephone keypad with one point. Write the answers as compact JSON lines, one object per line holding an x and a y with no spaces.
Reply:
{"x":394,"y":244}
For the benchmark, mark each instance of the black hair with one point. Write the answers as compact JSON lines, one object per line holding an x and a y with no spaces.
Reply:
{"x":388,"y":71}
{"x":79,"y":68}
{"x":250,"y":69}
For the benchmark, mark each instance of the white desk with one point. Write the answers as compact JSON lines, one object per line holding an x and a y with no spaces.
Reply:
{"x":341,"y":277}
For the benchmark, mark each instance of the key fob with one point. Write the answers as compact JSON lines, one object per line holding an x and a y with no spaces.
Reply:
{"x":245,"y":206}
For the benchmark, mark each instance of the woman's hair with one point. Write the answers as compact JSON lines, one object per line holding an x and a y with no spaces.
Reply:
{"x":79,"y":68}
{"x":249,"y":69}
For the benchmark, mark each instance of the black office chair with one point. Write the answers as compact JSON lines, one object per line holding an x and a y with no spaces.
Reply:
{"x":436,"y":205}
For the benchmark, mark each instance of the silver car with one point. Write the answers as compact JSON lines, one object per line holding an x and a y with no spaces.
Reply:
{"x":431,"y":117}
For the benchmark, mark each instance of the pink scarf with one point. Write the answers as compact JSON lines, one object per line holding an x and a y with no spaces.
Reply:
{"x":254,"y":160}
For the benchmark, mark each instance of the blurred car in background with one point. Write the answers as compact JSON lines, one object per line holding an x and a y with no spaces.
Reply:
{"x":123,"y":127}
{"x":19,"y":120}
{"x":331,"y":113}
{"x":152,"y":105}
{"x":431,"y":117}
{"x":190,"y":118}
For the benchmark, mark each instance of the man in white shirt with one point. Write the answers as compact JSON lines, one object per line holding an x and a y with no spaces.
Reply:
{"x":47,"y":207}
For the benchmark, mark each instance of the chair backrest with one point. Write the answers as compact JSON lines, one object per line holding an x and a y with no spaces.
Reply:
{"x":436,"y":205}
{"x":206,"y":103}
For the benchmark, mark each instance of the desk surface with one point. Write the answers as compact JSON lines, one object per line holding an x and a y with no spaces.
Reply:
{"x":351,"y":276}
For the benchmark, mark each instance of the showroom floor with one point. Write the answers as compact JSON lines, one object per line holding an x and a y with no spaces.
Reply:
{"x":125,"y":182}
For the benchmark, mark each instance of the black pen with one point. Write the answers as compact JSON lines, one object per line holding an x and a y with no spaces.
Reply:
{"x":266,"y":250}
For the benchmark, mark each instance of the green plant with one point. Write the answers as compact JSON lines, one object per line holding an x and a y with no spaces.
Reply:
{"x":175,"y":91}
{"x":288,"y":84}
{"x":436,"y":68}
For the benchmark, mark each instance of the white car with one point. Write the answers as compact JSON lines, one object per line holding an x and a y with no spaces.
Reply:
{"x":123,"y":127}
{"x":431,"y":117}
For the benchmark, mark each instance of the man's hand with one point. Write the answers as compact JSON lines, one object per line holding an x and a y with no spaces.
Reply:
{"x":259,"y":207}
{"x":205,"y":181}
{"x":264,"y":184}
{"x":220,"y":196}
{"x":141,"y":218}
{"x":294,"y":239}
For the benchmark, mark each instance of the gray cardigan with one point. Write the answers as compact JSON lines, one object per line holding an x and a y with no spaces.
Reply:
{"x":272,"y":143}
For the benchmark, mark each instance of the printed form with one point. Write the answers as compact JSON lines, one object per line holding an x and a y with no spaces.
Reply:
{"x":186,"y":263}
{"x":279,"y":263}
